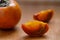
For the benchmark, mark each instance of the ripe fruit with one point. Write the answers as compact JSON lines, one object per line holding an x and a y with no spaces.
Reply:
{"x":10,"y":14}
{"x":35,"y":28}
{"x":44,"y":16}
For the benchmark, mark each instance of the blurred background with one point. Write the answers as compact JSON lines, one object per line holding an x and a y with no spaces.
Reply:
{"x":30,"y":7}
{"x":39,"y":0}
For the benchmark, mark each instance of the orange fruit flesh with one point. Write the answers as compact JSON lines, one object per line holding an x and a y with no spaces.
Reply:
{"x":44,"y":16}
{"x":35,"y":28}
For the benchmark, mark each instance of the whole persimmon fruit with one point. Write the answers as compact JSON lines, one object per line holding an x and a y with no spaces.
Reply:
{"x":35,"y":28}
{"x":10,"y":14}
{"x":44,"y":15}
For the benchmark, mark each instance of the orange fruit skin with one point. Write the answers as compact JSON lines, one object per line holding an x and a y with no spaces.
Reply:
{"x":44,"y":16}
{"x":10,"y":15}
{"x":35,"y":28}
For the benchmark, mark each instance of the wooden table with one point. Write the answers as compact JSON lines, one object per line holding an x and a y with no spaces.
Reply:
{"x":28,"y":9}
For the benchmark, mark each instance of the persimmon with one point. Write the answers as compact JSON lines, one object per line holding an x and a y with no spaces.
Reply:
{"x":44,"y":15}
{"x":35,"y":28}
{"x":10,"y":14}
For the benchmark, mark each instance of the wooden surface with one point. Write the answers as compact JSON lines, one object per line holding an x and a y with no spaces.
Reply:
{"x":28,"y":9}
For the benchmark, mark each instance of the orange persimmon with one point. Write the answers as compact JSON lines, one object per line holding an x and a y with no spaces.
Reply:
{"x":44,"y":15}
{"x":10,"y":14}
{"x":35,"y":28}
